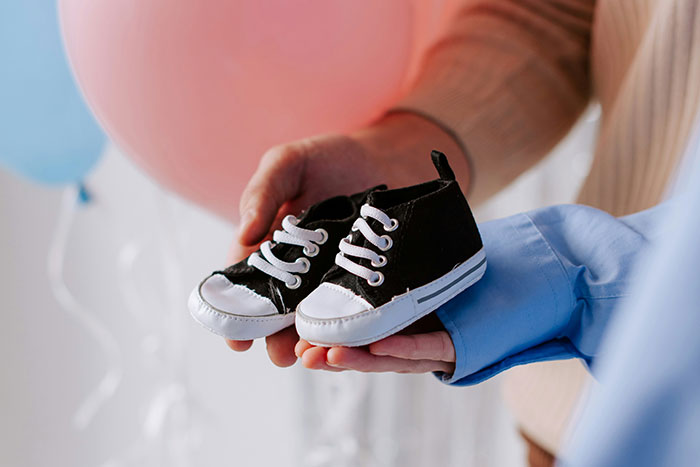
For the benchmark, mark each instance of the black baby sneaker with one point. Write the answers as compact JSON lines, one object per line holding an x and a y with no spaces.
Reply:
{"x":257,"y":296}
{"x":411,"y":250}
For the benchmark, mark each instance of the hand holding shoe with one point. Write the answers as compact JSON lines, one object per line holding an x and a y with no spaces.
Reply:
{"x":294,"y":176}
{"x":423,"y":347}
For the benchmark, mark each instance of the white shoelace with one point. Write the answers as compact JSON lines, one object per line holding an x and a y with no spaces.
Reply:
{"x":382,"y":242}
{"x":291,"y":235}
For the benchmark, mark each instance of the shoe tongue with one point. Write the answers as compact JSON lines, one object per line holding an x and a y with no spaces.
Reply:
{"x":336,"y":208}
{"x":381,"y":199}
{"x":309,"y":215}
{"x":360,"y":198}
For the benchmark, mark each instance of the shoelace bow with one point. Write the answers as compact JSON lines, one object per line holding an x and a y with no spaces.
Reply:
{"x":382,"y":242}
{"x":291,"y":235}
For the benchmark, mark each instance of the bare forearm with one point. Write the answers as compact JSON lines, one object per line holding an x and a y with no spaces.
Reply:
{"x":509,"y":77}
{"x":400,"y":141}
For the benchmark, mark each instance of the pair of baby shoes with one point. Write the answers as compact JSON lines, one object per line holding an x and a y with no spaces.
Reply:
{"x":351,"y":270}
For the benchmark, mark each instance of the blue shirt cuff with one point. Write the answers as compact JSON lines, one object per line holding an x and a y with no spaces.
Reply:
{"x":524,"y":299}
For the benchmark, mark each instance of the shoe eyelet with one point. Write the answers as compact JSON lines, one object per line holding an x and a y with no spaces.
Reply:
{"x":394,"y":225}
{"x":378,"y":281}
{"x":382,"y":262}
{"x":389,"y":242}
{"x":306,"y":263}
{"x":324,"y":237}
{"x":295,"y":284}
{"x":311,"y":252}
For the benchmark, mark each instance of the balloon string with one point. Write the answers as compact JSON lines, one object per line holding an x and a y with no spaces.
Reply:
{"x":135,"y":303}
{"x":171,"y":262}
{"x":92,"y":325}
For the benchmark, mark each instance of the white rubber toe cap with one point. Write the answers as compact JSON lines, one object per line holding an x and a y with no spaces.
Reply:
{"x":331,"y":301}
{"x":334,"y":315}
{"x":234,"y":311}
{"x":234,"y":299}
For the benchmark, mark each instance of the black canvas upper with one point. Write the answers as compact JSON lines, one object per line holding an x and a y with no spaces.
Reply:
{"x":336,"y":216}
{"x":436,"y":232}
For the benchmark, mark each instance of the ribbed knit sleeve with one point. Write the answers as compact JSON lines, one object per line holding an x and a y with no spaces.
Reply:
{"x":646,"y":65}
{"x":509,"y":78}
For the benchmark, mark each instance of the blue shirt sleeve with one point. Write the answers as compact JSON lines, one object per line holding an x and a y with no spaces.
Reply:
{"x":646,"y":411}
{"x":554,"y":277}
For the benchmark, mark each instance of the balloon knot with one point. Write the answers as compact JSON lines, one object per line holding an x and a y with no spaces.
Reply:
{"x":84,"y":196}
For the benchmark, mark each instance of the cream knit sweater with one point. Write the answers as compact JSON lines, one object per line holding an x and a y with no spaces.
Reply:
{"x":510,"y":78}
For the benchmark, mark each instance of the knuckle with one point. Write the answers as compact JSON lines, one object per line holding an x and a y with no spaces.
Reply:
{"x":283,"y":154}
{"x":413,"y":347}
{"x":278,"y":175}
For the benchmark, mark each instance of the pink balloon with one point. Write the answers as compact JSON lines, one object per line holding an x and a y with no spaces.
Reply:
{"x":196,"y":90}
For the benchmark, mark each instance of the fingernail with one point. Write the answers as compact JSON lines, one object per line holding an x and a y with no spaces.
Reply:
{"x":328,"y":360}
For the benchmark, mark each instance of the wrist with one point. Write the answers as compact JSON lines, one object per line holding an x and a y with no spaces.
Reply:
{"x":400,"y":143}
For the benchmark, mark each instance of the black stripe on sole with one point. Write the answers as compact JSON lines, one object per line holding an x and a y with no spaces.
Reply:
{"x":451,"y":284}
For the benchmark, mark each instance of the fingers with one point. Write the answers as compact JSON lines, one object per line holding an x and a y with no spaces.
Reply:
{"x":239,"y":346}
{"x":359,"y":359}
{"x":418,"y":353}
{"x":276,"y":181}
{"x":312,"y":357}
{"x":280,"y":347}
{"x":301,"y":347}
{"x":428,"y":346}
{"x":315,"y":359}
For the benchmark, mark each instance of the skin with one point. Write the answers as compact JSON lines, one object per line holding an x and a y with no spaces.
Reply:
{"x":393,"y":151}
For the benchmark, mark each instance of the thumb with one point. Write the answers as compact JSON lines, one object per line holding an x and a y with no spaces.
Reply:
{"x":238,"y":251}
{"x":276,"y":181}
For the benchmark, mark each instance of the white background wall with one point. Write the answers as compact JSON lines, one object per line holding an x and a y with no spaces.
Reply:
{"x":184,"y":399}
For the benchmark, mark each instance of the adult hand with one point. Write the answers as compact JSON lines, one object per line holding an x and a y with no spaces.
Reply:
{"x":291,"y":177}
{"x":422,"y":347}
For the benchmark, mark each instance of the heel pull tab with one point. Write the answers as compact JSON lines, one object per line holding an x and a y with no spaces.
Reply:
{"x":440,"y":163}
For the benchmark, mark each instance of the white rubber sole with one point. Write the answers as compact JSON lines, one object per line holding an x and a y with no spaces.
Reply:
{"x":375,"y":324}
{"x":233,"y":326}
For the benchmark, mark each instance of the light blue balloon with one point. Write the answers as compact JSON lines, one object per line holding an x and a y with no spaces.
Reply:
{"x":46,"y":131}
